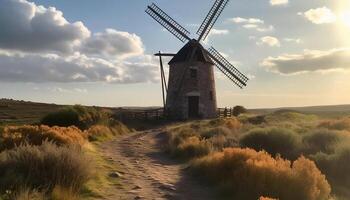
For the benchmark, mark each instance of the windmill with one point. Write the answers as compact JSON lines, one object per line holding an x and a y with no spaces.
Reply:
{"x":191,"y":84}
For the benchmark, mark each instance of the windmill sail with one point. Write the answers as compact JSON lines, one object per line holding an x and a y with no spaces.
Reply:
{"x":211,"y":18}
{"x":167,"y":22}
{"x":227,"y":68}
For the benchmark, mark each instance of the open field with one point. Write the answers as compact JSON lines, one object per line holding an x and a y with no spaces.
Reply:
{"x":306,"y":148}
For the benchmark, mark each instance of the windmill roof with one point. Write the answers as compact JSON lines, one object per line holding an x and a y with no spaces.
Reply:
{"x":193,"y":46}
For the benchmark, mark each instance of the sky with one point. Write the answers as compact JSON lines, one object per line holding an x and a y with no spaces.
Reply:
{"x":295,"y":52}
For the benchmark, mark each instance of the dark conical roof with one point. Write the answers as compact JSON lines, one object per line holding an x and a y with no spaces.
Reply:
{"x":184,"y":55}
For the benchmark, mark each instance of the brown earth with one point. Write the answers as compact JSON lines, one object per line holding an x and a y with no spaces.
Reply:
{"x":148,"y":173}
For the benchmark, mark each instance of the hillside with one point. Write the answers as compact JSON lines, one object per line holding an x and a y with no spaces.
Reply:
{"x":24,"y":112}
{"x":329,"y":110}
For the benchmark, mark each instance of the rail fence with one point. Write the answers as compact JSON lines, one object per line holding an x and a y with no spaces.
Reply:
{"x":225,"y":112}
{"x":139,"y":114}
{"x":157,"y":114}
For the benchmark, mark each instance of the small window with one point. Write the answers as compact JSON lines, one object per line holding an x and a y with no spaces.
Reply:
{"x":211,"y":95}
{"x":193,"y":73}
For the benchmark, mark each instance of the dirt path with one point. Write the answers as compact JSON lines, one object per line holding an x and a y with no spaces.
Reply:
{"x":148,"y":173}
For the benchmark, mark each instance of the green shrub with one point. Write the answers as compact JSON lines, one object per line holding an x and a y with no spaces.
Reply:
{"x":247,"y":174}
{"x":322,"y":140}
{"x":237,"y":110}
{"x":66,"y":117}
{"x":43,"y":167}
{"x":273,"y":140}
{"x":336,"y":167}
{"x":79,"y":116}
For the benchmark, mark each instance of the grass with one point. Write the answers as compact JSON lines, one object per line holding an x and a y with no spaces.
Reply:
{"x":199,"y":138}
{"x":100,"y":183}
{"x":248,"y":174}
{"x":13,"y":136}
{"x":14,"y":112}
{"x":320,"y":143}
{"x":44,"y":167}
{"x":60,"y":160}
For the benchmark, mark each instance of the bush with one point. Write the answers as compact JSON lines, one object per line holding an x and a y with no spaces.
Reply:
{"x":237,"y":110}
{"x":79,"y":116}
{"x":336,"y":167}
{"x":322,"y":140}
{"x":36,"y":135}
{"x":342,"y":124}
{"x":193,"y":147}
{"x":274,"y":141}
{"x":247,"y":174}
{"x":43,"y":167}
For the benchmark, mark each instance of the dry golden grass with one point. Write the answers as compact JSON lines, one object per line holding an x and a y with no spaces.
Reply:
{"x":340,"y":124}
{"x":48,"y":168}
{"x":248,"y":174}
{"x":35,"y":135}
{"x":266,"y":198}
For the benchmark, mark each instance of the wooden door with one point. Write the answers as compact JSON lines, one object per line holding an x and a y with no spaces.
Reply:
{"x":193,"y":107}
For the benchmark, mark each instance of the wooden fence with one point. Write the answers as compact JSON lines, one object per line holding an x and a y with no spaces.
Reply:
{"x":139,"y":114}
{"x":157,"y":114}
{"x":225,"y":112}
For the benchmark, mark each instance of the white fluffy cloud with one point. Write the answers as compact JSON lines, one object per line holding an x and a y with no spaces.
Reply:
{"x":216,"y":32}
{"x":38,"y":44}
{"x":219,"y":31}
{"x":320,"y":15}
{"x":309,"y":61}
{"x":278,"y":2}
{"x":28,"y":27}
{"x":270,"y":41}
{"x":16,"y":67}
{"x":239,"y":20}
{"x":113,"y":43}
{"x":295,"y":40}
{"x":252,"y":23}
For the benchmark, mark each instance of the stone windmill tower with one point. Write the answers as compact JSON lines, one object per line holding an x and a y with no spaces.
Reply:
{"x":191,"y":86}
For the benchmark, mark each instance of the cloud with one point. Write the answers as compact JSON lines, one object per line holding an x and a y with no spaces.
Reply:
{"x":239,"y":20}
{"x":216,"y":32}
{"x":320,"y":15}
{"x":18,"y":67}
{"x":38,"y":44}
{"x":295,"y":40}
{"x":270,"y":41}
{"x":252,"y":23}
{"x":65,"y":90}
{"x":113,"y":43}
{"x":28,"y":27}
{"x":309,"y":61}
{"x":278,"y":2}
{"x":219,"y":31}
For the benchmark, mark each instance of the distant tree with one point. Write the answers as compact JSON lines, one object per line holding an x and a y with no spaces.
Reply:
{"x":237,"y":110}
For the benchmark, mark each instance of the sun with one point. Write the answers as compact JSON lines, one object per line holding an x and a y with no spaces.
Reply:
{"x":345,"y":18}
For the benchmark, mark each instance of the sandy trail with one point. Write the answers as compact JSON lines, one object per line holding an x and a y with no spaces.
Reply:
{"x":148,"y":173}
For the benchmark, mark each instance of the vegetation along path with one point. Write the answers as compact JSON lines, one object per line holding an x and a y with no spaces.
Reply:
{"x":147,"y":172}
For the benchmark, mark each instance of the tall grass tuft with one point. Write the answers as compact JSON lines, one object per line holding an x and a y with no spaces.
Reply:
{"x":43,"y":167}
{"x":247,"y":174}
